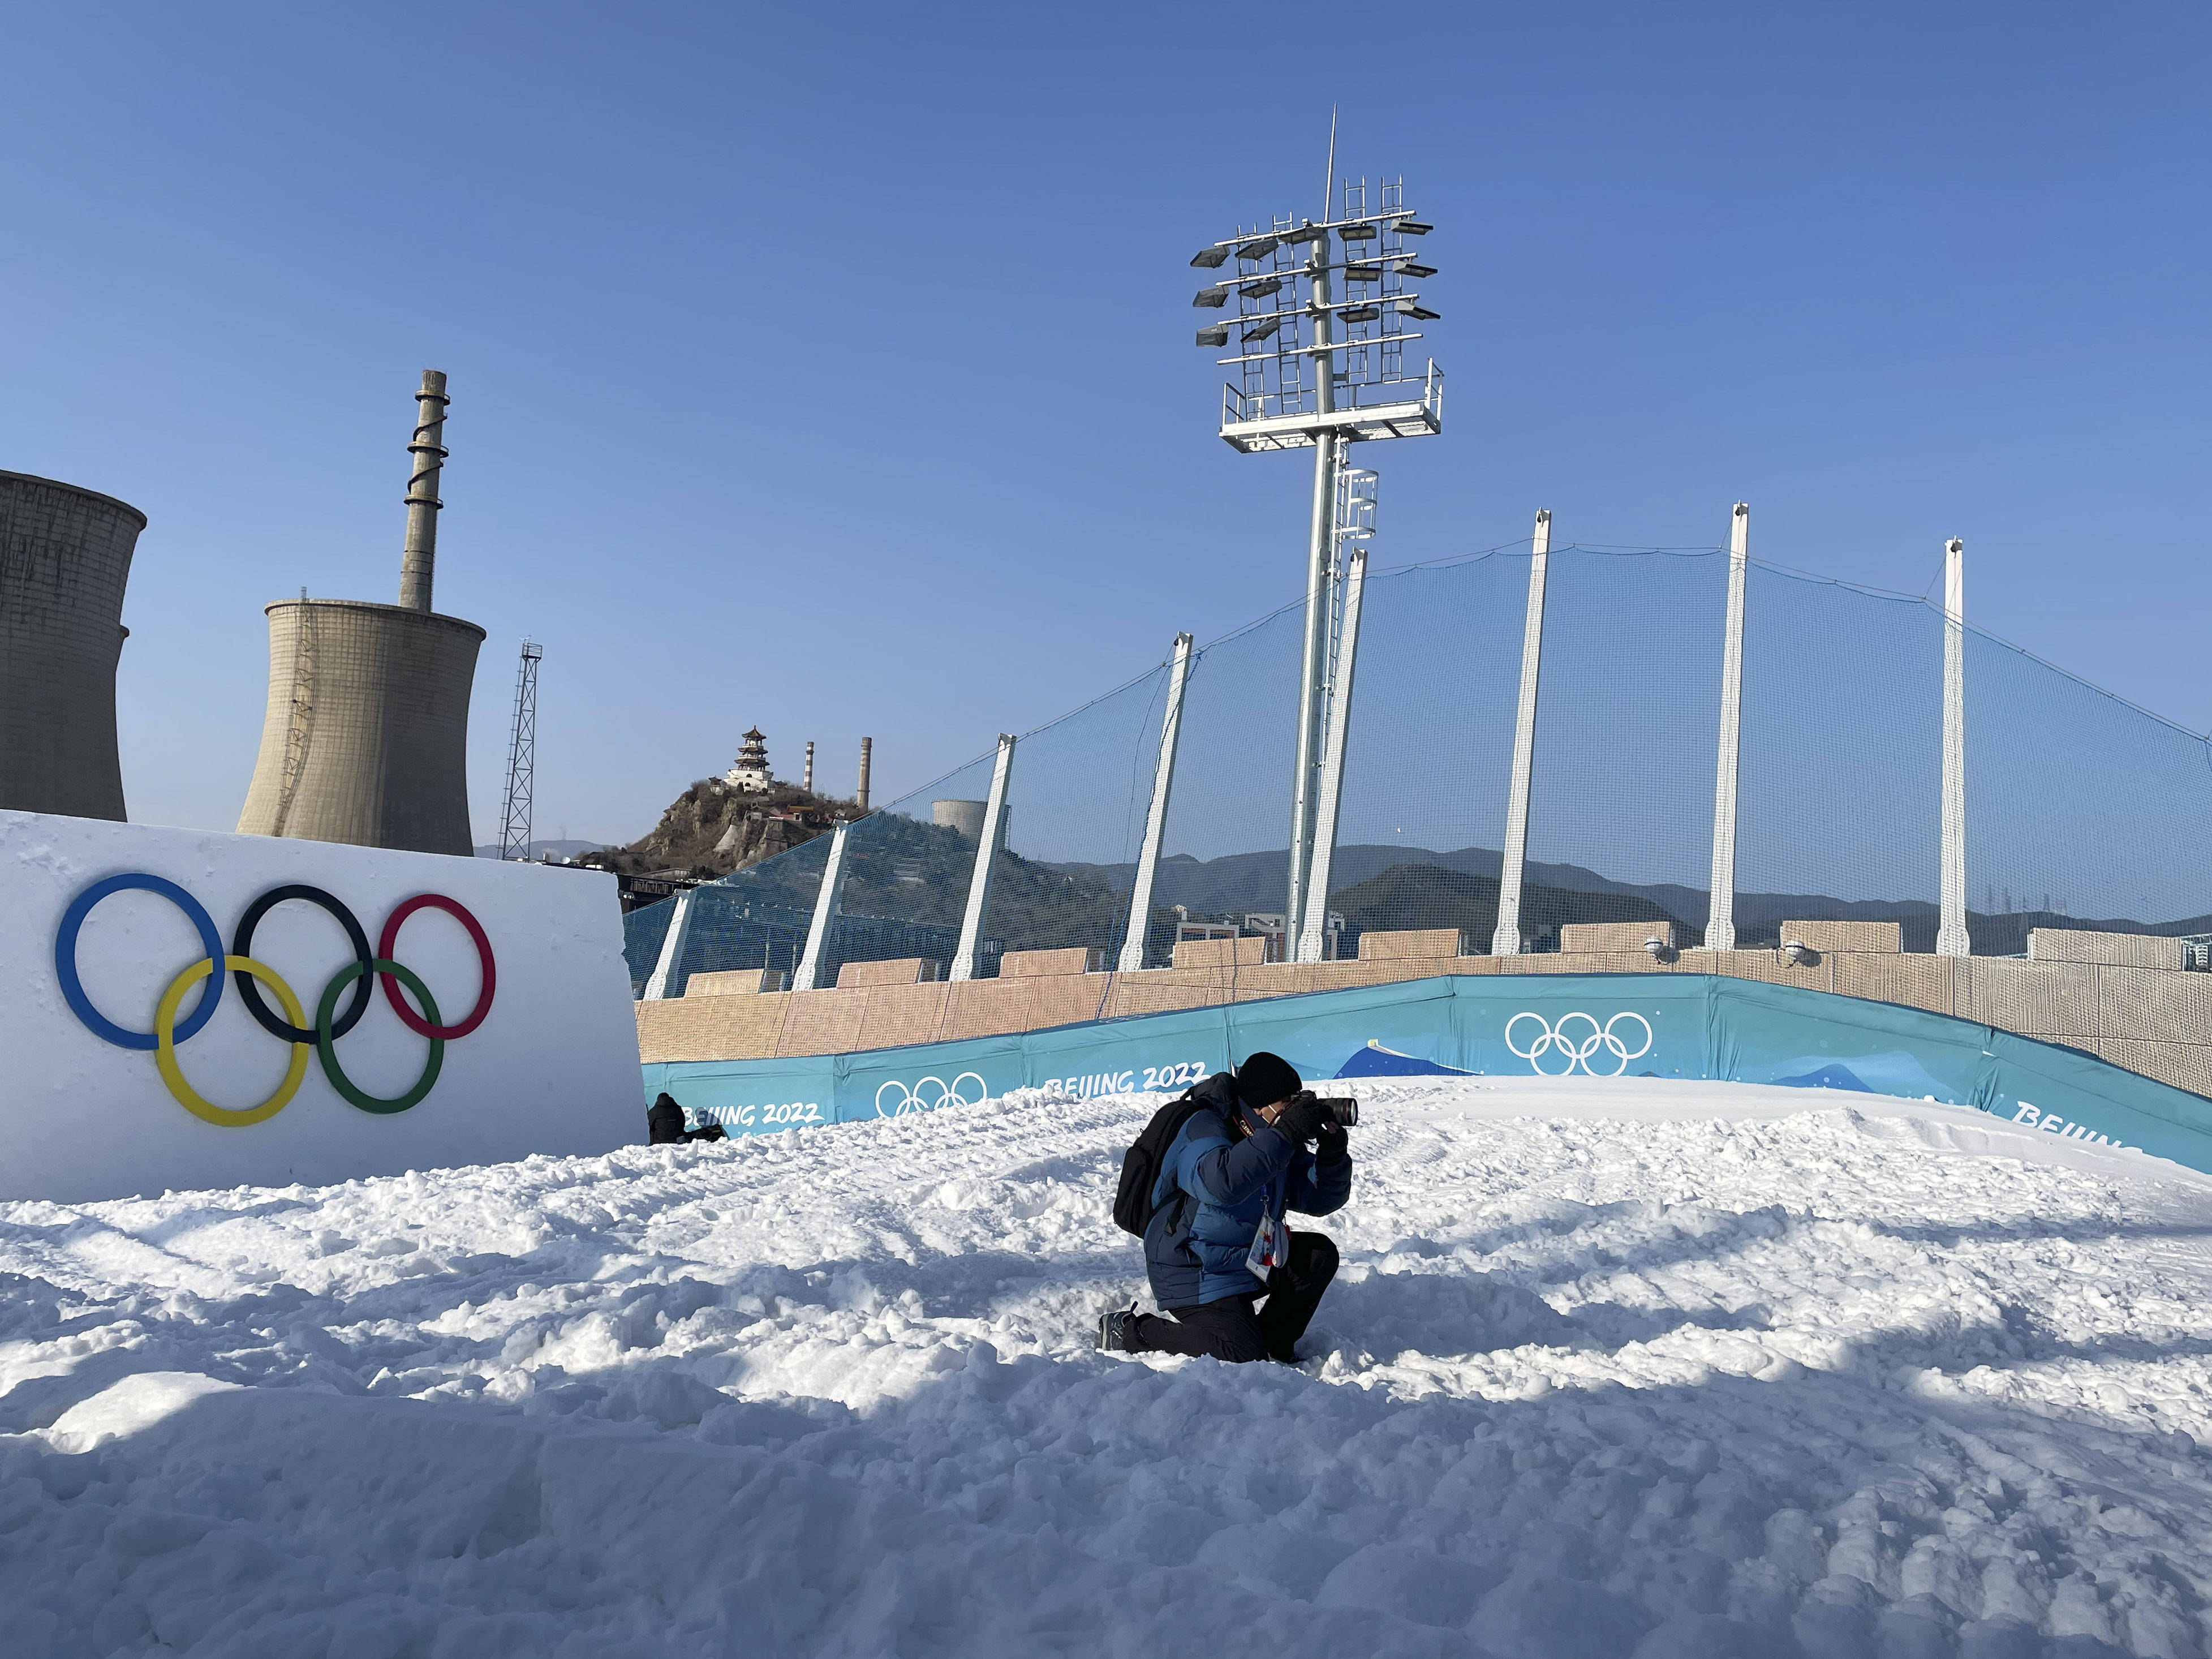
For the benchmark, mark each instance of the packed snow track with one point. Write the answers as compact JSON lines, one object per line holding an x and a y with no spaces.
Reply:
{"x":1639,"y":1368}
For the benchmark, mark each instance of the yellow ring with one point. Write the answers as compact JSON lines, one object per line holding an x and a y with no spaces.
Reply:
{"x":165,"y":1041}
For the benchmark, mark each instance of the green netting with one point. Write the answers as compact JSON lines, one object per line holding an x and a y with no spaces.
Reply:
{"x":1839,"y":793}
{"x":1079,"y":790}
{"x":1620,"y":801}
{"x":2081,"y":808}
{"x":907,"y":870}
{"x":1226,"y":850}
{"x":2082,"y":811}
{"x":643,"y":931}
{"x":1429,"y":749}
{"x":757,"y":917}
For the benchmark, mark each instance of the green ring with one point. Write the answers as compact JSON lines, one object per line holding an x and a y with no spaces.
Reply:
{"x":326,"y":1044}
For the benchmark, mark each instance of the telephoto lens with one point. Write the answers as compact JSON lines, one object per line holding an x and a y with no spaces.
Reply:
{"x":1343,"y":1110}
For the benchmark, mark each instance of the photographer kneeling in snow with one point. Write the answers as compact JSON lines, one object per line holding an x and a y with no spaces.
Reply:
{"x":1214,"y":1240}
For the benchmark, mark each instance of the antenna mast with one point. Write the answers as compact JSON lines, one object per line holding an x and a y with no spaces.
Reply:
{"x":521,"y":758}
{"x":1329,"y":174}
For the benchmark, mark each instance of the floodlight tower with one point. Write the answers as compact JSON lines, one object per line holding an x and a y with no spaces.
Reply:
{"x":1319,"y":372}
{"x":522,"y":757}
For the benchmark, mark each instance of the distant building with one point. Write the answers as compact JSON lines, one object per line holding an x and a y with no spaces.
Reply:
{"x":750,"y":773}
{"x":64,"y":555}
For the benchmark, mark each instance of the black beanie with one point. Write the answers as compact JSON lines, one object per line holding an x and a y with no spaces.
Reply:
{"x":1265,"y":1078}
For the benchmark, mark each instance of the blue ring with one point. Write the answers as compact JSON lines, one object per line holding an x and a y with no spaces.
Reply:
{"x":73,"y":988}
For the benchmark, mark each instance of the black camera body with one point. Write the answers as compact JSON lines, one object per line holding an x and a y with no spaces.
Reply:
{"x":1343,"y":1110}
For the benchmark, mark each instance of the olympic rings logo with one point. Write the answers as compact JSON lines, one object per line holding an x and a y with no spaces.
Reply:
{"x":1577,"y":1048}
{"x":293,"y":1026}
{"x":910,"y":1099}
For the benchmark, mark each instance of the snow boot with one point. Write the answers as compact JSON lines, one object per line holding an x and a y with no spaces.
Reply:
{"x":1116,"y":1327}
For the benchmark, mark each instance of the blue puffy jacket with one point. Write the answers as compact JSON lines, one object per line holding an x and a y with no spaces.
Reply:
{"x":1213,"y":1190}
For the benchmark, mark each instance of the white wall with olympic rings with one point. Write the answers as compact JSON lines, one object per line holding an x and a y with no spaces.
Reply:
{"x":93,"y":1105}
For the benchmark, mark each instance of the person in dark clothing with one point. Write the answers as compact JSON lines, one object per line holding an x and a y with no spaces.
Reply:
{"x":1234,"y":1169}
{"x":664,"y":1125}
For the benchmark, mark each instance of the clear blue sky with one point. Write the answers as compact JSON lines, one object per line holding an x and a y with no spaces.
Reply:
{"x":830,"y":368}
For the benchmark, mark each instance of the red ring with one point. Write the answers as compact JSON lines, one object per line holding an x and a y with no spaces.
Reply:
{"x":413,"y":1021}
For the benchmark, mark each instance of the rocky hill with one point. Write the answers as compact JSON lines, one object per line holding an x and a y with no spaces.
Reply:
{"x":714,"y":829}
{"x":899,"y":869}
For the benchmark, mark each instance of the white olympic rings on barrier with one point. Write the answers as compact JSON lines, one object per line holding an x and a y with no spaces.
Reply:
{"x":1579,"y":1050}
{"x":913,"y":1100}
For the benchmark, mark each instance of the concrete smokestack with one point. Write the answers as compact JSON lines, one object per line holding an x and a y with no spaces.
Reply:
{"x":860,"y":795}
{"x":807,"y":784}
{"x":65,"y":557}
{"x":365,"y":737}
{"x":418,"y":564}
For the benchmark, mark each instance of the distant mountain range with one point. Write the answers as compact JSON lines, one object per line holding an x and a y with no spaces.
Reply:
{"x":564,"y":849}
{"x":1407,"y":896}
{"x":1240,"y":882}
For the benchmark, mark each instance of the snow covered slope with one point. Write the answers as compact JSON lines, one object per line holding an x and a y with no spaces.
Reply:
{"x":1638,"y":1368}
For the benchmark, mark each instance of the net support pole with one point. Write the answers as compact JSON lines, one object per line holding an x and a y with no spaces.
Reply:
{"x":1156,"y":819}
{"x":827,"y":898}
{"x":1505,"y":938}
{"x":1330,"y":796}
{"x":1720,"y":924}
{"x":1952,"y":938}
{"x":672,"y":950}
{"x":986,"y":850}
{"x":1320,"y":585}
{"x":1313,"y":679}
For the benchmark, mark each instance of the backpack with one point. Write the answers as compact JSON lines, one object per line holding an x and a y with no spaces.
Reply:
{"x":1140,"y":1165}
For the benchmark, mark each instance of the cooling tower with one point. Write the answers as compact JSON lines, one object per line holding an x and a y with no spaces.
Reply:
{"x":964,"y":815}
{"x":65,"y":557}
{"x":366,"y":738}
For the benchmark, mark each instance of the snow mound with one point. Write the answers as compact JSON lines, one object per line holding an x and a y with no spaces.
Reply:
{"x":1646,"y":1369}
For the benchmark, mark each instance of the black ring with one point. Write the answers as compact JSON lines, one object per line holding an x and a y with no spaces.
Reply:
{"x":241,"y":945}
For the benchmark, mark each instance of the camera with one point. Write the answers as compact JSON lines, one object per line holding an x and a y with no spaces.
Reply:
{"x":1343,"y":1110}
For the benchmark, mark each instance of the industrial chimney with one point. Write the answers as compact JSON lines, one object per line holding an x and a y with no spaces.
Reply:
{"x":860,"y":795}
{"x":419,"y":562}
{"x":808,"y":783}
{"x":365,"y":737}
{"x":65,"y":557}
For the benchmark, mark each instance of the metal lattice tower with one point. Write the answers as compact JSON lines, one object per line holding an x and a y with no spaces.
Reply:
{"x":522,"y":757}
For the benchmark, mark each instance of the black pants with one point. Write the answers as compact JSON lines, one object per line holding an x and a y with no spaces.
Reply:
{"x":1232,"y":1328}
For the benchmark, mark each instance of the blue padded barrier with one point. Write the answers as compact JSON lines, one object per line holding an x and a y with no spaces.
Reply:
{"x":1672,"y":1025}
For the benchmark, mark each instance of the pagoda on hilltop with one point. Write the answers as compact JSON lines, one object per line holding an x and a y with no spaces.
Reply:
{"x":750,"y":773}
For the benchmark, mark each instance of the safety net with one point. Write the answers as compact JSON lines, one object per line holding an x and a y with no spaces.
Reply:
{"x":1428,"y":752}
{"x":1225,"y":849}
{"x":2080,"y":809}
{"x":1839,"y":791}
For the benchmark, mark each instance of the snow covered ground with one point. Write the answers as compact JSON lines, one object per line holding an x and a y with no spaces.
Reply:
{"x":1634,"y":1368}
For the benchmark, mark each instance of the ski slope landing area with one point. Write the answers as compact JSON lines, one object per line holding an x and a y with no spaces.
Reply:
{"x":1642,"y":1368}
